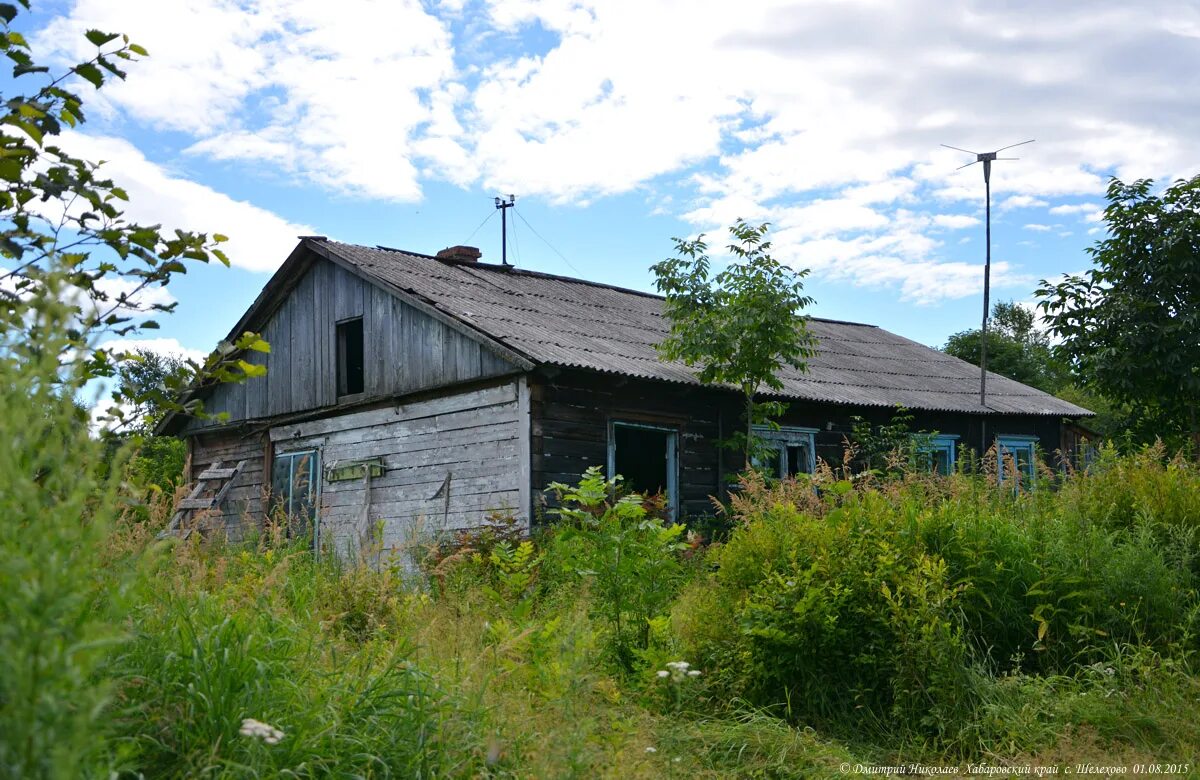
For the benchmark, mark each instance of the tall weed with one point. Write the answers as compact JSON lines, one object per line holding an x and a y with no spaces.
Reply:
{"x":60,"y":609}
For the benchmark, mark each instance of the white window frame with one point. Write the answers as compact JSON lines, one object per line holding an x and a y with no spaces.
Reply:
{"x":1011,"y":443}
{"x":789,"y":436}
{"x":672,"y":457}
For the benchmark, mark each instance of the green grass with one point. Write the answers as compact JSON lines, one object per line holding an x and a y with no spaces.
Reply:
{"x":918,"y":619}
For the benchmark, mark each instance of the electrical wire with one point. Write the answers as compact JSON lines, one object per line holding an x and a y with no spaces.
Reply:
{"x":547,"y":243}
{"x":480,"y":225}
{"x":516,"y":244}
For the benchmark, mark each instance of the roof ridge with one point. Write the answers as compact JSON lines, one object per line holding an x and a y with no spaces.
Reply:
{"x":511,"y":269}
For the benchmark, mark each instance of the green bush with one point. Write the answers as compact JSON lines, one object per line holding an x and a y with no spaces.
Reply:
{"x":842,"y":620}
{"x":627,"y":557}
{"x":888,"y":606}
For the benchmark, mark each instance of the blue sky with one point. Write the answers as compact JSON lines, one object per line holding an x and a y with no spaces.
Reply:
{"x":621,"y":124}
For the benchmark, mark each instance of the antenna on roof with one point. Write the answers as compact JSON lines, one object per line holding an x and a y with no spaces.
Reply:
{"x":986,"y":158}
{"x":504,"y":206}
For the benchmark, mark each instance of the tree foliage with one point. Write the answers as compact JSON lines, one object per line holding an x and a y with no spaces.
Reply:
{"x":739,"y":326}
{"x":1130,"y":326}
{"x":64,"y":234}
{"x":1017,"y":349}
{"x":142,"y":378}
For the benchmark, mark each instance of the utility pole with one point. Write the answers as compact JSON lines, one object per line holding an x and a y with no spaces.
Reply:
{"x":504,"y":205}
{"x":986,"y":158}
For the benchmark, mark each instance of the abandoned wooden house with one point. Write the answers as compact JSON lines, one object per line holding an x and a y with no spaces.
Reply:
{"x":416,"y":394}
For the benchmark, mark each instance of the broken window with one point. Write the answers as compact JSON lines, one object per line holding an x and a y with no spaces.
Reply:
{"x":294,"y":483}
{"x":646,"y":457}
{"x":350,"y":357}
{"x":786,"y":451}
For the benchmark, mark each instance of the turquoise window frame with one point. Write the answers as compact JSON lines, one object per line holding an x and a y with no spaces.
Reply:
{"x":672,"y":457}
{"x":1014,"y":444}
{"x":946,"y":443}
{"x":784,"y":437}
{"x":310,"y":461}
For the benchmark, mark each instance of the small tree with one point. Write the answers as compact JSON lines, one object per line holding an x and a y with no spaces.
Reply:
{"x":1130,"y":326}
{"x":63,"y":232}
{"x":145,"y":379}
{"x":741,"y":326}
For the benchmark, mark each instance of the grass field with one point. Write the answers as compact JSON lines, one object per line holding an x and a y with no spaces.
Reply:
{"x":838,"y":624}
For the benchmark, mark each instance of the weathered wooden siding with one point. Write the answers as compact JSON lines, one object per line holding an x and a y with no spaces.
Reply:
{"x":571,"y":411}
{"x":570,"y":429}
{"x":243,"y":506}
{"x":834,"y":423}
{"x":475,"y":441}
{"x":405,"y":350}
{"x":468,"y":442}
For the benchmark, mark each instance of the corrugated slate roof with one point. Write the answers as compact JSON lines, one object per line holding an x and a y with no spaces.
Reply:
{"x":579,"y":324}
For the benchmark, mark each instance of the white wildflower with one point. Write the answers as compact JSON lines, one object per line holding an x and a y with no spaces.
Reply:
{"x":679,"y":670}
{"x":664,"y":673}
{"x":259,"y":730}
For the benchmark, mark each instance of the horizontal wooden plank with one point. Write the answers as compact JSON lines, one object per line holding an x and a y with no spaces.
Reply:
{"x":404,"y":433}
{"x":440,"y":459}
{"x":473,"y":399}
{"x":217,"y":474}
{"x":423,"y":491}
{"x":194,"y":503}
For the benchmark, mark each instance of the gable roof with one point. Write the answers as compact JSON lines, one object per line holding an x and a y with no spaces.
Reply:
{"x":573,"y":323}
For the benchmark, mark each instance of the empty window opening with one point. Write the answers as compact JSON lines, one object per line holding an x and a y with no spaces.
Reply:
{"x":350,"y":357}
{"x":786,"y":452}
{"x":645,"y":457}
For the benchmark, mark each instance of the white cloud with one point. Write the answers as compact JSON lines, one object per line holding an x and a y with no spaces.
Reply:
{"x":1075,"y":208}
{"x":1021,"y":202}
{"x":1035,"y":227}
{"x":162,"y":345}
{"x":329,"y":91}
{"x":823,"y":117}
{"x":259,"y":240}
{"x":955,"y":221}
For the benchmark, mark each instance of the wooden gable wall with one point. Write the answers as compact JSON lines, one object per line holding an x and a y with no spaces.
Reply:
{"x":405,"y":350}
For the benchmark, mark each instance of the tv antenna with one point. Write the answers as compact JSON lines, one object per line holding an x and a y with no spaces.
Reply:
{"x":504,"y":205}
{"x":987,"y":158}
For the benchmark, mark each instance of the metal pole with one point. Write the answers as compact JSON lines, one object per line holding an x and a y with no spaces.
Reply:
{"x":987,"y":281}
{"x":504,"y":206}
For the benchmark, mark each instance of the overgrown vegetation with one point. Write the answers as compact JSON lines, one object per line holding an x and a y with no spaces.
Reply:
{"x":897,"y":615}
{"x":874,"y":620}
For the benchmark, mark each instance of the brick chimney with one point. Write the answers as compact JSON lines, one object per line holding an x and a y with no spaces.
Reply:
{"x":460,"y":254}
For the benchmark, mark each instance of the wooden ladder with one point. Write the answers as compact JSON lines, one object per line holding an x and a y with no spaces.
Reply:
{"x":194,"y":502}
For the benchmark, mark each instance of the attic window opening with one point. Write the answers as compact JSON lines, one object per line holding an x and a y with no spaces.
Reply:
{"x":350,"y":357}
